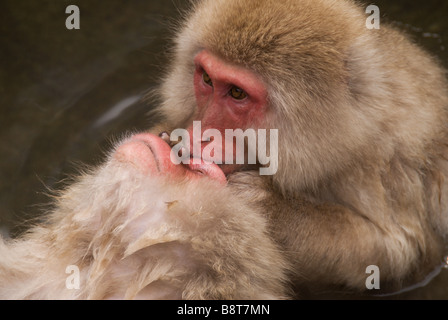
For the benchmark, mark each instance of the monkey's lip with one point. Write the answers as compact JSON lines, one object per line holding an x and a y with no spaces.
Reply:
{"x":226,"y":169}
{"x":206,"y":168}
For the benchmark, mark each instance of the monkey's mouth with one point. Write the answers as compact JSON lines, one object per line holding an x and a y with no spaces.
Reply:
{"x":206,"y":168}
{"x":203,"y":165}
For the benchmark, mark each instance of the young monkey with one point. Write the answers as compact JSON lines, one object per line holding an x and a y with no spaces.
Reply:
{"x":140,"y":227}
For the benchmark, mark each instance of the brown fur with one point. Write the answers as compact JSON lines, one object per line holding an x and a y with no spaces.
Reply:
{"x":362,"y":117}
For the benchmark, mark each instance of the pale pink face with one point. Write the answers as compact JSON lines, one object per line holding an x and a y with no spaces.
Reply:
{"x":151,"y":155}
{"x":228,"y":97}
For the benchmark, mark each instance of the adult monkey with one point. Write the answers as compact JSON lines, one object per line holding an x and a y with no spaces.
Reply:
{"x":362,"y":120}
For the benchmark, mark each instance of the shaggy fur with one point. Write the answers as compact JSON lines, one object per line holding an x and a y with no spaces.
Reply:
{"x":140,"y":237}
{"x":362,"y":120}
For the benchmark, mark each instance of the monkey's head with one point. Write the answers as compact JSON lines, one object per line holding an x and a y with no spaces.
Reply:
{"x":151,"y":155}
{"x":308,"y":68}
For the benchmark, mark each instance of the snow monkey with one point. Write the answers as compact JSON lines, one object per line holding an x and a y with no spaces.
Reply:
{"x":140,"y":227}
{"x":360,"y":177}
{"x":362,"y":121}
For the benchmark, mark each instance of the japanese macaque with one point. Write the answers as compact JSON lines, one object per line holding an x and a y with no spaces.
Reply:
{"x":361,"y":176}
{"x":362,"y":122}
{"x":140,"y":227}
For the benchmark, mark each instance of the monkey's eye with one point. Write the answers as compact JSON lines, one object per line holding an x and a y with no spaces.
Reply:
{"x":206,"y":79}
{"x":237,"y":93}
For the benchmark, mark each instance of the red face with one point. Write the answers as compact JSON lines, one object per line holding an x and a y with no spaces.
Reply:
{"x":151,"y":155}
{"x":228,"y":97}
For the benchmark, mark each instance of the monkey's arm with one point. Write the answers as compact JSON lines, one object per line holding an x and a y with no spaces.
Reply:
{"x":330,"y":245}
